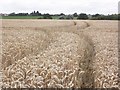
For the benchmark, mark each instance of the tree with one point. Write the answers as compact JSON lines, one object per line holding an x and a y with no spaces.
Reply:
{"x":118,"y":16}
{"x":62,"y":17}
{"x":12,"y":14}
{"x":96,"y":15}
{"x":62,"y":14}
{"x":38,"y":14}
{"x":82,"y":16}
{"x":69,"y":17}
{"x":47,"y":16}
{"x":75,"y":14}
{"x":35,"y":13}
{"x":22,"y":14}
{"x":106,"y":17}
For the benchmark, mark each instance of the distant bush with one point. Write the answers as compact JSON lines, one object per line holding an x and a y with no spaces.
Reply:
{"x":12,"y":14}
{"x":75,"y":15}
{"x":106,"y":17}
{"x":35,"y":13}
{"x":61,"y":17}
{"x":118,"y":16}
{"x":69,"y":17}
{"x":47,"y":16}
{"x":40,"y":18}
{"x":82,"y":16}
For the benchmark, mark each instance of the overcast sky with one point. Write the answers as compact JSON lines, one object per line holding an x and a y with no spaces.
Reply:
{"x":60,"y":6}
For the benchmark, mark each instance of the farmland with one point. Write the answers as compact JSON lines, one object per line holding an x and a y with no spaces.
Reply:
{"x":26,"y":17}
{"x":21,"y":17}
{"x":59,"y":53}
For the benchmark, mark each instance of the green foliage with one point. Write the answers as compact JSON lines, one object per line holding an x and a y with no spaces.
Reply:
{"x":75,"y":15}
{"x":47,"y":16}
{"x":118,"y":16}
{"x":12,"y":14}
{"x":96,"y":15}
{"x":62,"y":17}
{"x":69,"y":17}
{"x":62,"y":14}
{"x":106,"y":17}
{"x":37,"y":15}
{"x":82,"y":16}
{"x":20,"y":17}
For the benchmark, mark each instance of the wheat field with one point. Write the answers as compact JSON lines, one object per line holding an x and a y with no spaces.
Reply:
{"x":59,"y":54}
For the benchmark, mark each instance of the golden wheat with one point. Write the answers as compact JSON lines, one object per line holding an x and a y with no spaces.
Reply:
{"x":59,"y":54}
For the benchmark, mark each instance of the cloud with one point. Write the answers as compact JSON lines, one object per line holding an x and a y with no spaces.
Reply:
{"x":58,"y":6}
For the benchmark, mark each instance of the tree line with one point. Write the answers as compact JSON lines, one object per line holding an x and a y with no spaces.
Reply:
{"x":83,"y":16}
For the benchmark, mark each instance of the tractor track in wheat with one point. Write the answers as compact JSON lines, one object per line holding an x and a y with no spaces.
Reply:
{"x":59,"y":54}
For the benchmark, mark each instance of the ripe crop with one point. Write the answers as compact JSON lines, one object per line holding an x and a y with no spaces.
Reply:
{"x":59,"y":54}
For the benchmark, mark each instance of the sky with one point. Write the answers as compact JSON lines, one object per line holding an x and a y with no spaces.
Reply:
{"x":60,"y":6}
